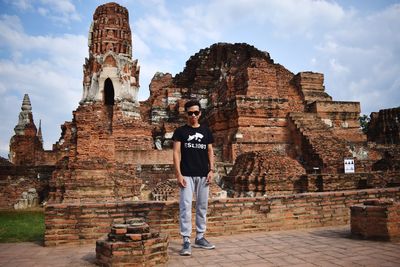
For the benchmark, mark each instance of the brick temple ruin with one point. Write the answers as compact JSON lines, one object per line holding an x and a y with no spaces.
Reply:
{"x":280,"y":139}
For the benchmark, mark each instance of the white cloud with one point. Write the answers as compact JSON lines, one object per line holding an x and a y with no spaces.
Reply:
{"x":165,"y":32}
{"x":43,"y":11}
{"x":10,"y":105}
{"x":175,"y":29}
{"x":150,"y":67}
{"x":337,"y":67}
{"x":48,"y":68}
{"x":155,"y":6}
{"x":21,"y":4}
{"x":140,"y":47}
{"x":60,"y":10}
{"x":4,"y":148}
{"x":63,"y":51}
{"x":363,"y":54}
{"x":9,"y":25}
{"x":285,"y":17}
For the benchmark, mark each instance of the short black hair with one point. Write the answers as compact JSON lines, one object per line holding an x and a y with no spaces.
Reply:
{"x":191,"y":103}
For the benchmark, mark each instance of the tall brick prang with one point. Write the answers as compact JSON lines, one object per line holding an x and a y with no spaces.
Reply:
{"x":110,"y":75}
{"x":107,"y":124}
{"x":25,"y":144}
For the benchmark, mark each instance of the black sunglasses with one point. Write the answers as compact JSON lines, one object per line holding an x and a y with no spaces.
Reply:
{"x":196,"y":113}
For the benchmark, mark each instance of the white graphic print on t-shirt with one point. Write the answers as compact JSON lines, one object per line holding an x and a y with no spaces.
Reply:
{"x":196,"y":136}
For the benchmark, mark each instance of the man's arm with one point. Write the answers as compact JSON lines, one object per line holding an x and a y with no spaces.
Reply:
{"x":211,"y":163}
{"x":177,"y":163}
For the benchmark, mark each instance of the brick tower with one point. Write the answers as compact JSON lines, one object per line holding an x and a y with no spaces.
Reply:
{"x":110,"y":75}
{"x":107,"y":125}
{"x":26,"y":143}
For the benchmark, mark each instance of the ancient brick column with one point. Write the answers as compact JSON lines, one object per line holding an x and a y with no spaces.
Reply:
{"x":25,"y":144}
{"x":107,"y":124}
{"x":110,"y":75}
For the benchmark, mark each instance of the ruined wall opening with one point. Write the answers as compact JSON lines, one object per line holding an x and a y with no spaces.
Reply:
{"x":109,"y":101}
{"x":108,"y":92}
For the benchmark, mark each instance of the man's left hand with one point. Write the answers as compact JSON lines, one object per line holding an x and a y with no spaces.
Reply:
{"x":210,"y":176}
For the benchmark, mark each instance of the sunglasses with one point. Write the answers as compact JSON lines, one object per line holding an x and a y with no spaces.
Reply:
{"x":196,"y":113}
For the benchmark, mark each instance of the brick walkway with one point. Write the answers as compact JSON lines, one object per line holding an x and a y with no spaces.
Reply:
{"x":312,"y":247}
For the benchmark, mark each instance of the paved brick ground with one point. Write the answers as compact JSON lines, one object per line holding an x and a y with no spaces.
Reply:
{"x":312,"y":247}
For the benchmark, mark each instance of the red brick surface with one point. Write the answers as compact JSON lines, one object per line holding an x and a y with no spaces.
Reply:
{"x":376,"y":219}
{"x":83,"y":223}
{"x":384,"y":127}
{"x":132,"y":244}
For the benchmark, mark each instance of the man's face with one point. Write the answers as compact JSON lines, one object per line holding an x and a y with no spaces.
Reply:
{"x":193,"y":114}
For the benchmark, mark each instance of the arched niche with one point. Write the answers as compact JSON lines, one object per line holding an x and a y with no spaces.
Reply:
{"x":108,"y":92}
{"x":109,"y":61}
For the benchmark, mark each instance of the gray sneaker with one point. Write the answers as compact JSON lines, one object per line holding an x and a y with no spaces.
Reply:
{"x":203,"y":243}
{"x":186,"y":249}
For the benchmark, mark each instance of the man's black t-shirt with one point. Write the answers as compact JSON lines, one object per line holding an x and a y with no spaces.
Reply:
{"x":194,"y":150}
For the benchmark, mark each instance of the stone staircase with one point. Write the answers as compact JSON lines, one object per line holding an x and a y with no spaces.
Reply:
{"x":320,"y":142}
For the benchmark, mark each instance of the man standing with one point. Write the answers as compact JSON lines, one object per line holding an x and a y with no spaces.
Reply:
{"x":194,"y":169}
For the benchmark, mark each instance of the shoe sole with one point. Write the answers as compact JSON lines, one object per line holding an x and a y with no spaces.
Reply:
{"x":199,"y":246}
{"x":186,"y":253}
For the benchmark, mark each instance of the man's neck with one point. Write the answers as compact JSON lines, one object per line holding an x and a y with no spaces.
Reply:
{"x":194,"y":125}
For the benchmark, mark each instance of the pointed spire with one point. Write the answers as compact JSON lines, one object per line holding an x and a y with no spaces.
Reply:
{"x":26,"y":103}
{"x":25,"y":116}
{"x":39,"y":133}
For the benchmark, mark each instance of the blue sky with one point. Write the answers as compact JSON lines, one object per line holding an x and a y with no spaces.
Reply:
{"x":43,"y":44}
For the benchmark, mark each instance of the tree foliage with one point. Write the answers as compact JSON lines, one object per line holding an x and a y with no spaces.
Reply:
{"x":364,"y":123}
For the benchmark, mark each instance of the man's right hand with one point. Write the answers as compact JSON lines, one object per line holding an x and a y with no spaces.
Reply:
{"x":181,"y":181}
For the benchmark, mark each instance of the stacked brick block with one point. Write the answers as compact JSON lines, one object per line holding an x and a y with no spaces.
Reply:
{"x":311,"y":86}
{"x":259,"y":173}
{"x":376,"y":219}
{"x":132,"y":244}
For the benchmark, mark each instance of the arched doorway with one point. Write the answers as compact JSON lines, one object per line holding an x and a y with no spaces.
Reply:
{"x":108,"y":92}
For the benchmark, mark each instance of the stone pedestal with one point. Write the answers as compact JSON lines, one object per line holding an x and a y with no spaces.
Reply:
{"x":376,"y":219}
{"x":132,"y":244}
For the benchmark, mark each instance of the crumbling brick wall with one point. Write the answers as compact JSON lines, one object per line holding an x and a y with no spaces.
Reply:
{"x":14,"y":180}
{"x":384,"y":127}
{"x":84,"y":223}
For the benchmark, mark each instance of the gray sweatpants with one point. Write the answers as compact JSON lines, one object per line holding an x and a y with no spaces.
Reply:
{"x":199,"y":186}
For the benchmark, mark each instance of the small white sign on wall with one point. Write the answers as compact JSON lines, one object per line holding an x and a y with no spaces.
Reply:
{"x":349,"y":165}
